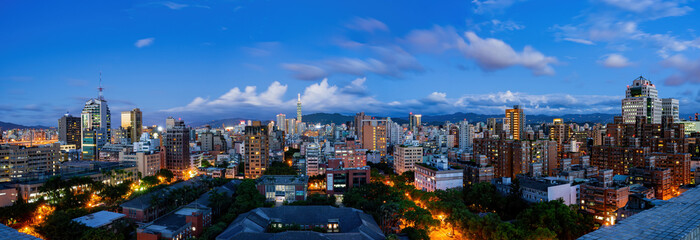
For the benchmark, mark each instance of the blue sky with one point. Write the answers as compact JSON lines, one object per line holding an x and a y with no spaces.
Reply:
{"x":202,"y":60}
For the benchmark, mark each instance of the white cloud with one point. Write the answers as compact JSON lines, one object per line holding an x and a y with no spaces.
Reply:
{"x":652,"y":8}
{"x":173,"y":5}
{"x":144,"y":42}
{"x":323,"y":96}
{"x":578,"y":40}
{"x":367,"y":25}
{"x":493,"y":54}
{"x":489,"y":53}
{"x":486,"y":6}
{"x":614,"y":60}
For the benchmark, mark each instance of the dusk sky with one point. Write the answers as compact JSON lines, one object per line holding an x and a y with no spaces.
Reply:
{"x":207,"y":60}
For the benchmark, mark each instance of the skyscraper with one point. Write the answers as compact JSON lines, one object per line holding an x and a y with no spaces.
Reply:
{"x":313,"y":153}
{"x":69,"y":130}
{"x":359,"y":117}
{"x":256,"y":150}
{"x":516,"y":120}
{"x":132,"y":124}
{"x":96,"y":126}
{"x":641,"y":100}
{"x":177,"y":147}
{"x":298,"y":107}
{"x":282,"y":122}
{"x":414,"y":121}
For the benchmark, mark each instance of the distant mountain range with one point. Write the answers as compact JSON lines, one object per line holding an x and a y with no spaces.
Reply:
{"x":7,"y":126}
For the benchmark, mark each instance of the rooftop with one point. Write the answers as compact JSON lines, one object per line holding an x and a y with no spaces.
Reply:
{"x":353,"y":223}
{"x":679,"y":218}
{"x":99,"y":219}
{"x":282,"y":179}
{"x":10,"y":233}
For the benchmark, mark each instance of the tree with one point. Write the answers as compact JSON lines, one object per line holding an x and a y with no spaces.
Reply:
{"x":150,"y":180}
{"x":557,"y":218}
{"x":280,"y":168}
{"x":248,"y":197}
{"x":100,"y":234}
{"x":60,"y":226}
{"x":415,"y":233}
{"x":165,"y":173}
{"x":206,"y":164}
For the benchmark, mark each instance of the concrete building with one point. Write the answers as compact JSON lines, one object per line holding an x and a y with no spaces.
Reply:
{"x":148,"y":163}
{"x":21,"y":162}
{"x":602,"y":198}
{"x":405,"y":156}
{"x":437,"y":175}
{"x":256,"y":150}
{"x":352,"y":154}
{"x":670,"y":108}
{"x":466,"y":136}
{"x":69,"y":130}
{"x":340,"y":180}
{"x":185,"y":223}
{"x":281,"y":122}
{"x":282,"y":188}
{"x":8,"y":195}
{"x":548,"y":189}
{"x":141,"y":209}
{"x":269,"y":223}
{"x":176,"y":141}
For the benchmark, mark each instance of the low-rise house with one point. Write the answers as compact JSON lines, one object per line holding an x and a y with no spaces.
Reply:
{"x":184,"y":223}
{"x":101,"y":219}
{"x":282,"y":188}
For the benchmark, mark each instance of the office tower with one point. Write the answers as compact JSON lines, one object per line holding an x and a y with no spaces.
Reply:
{"x":298,"y":107}
{"x":22,"y":162}
{"x":69,"y":130}
{"x":516,"y":120}
{"x":133,"y":125}
{"x":414,"y":121}
{"x":669,"y":108}
{"x":641,"y":100}
{"x":96,"y":126}
{"x":282,"y":122}
{"x":405,"y":157}
{"x":169,"y":123}
{"x":256,"y":150}
{"x":374,"y":135}
{"x":313,"y":153}
{"x":465,"y":135}
{"x":176,"y":141}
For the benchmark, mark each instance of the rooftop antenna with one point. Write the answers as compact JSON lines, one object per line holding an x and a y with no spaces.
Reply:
{"x":101,"y":97}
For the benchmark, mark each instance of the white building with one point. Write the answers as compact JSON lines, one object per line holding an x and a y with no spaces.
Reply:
{"x":642,"y":100}
{"x":669,"y":107}
{"x":548,"y":189}
{"x":436,"y":174}
{"x":465,"y":135}
{"x":313,"y":153}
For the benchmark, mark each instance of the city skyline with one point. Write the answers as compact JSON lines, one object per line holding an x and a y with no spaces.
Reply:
{"x":205,"y":61}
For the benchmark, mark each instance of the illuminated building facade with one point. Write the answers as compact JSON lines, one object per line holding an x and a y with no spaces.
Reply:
{"x":516,"y":120}
{"x":256,"y":150}
{"x":69,"y":130}
{"x":96,"y":127}
{"x":176,"y":141}
{"x":132,"y":124}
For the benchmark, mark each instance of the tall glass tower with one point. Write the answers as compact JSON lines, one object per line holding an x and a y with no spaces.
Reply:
{"x":95,"y":126}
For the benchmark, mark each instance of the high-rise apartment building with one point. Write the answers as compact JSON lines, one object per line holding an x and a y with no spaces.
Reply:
{"x":313,"y":155}
{"x":405,"y":157}
{"x":282,"y":122}
{"x":351,"y":154}
{"x":256,"y":149}
{"x":69,"y":130}
{"x":96,"y":127}
{"x":359,"y":117}
{"x":516,"y":120}
{"x":132,"y":124}
{"x":465,"y":136}
{"x":176,"y":141}
{"x":374,"y":135}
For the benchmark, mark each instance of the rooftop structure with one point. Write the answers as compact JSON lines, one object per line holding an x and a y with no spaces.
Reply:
{"x":99,"y":219}
{"x":677,"y":219}
{"x":10,"y":233}
{"x":338,"y":223}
